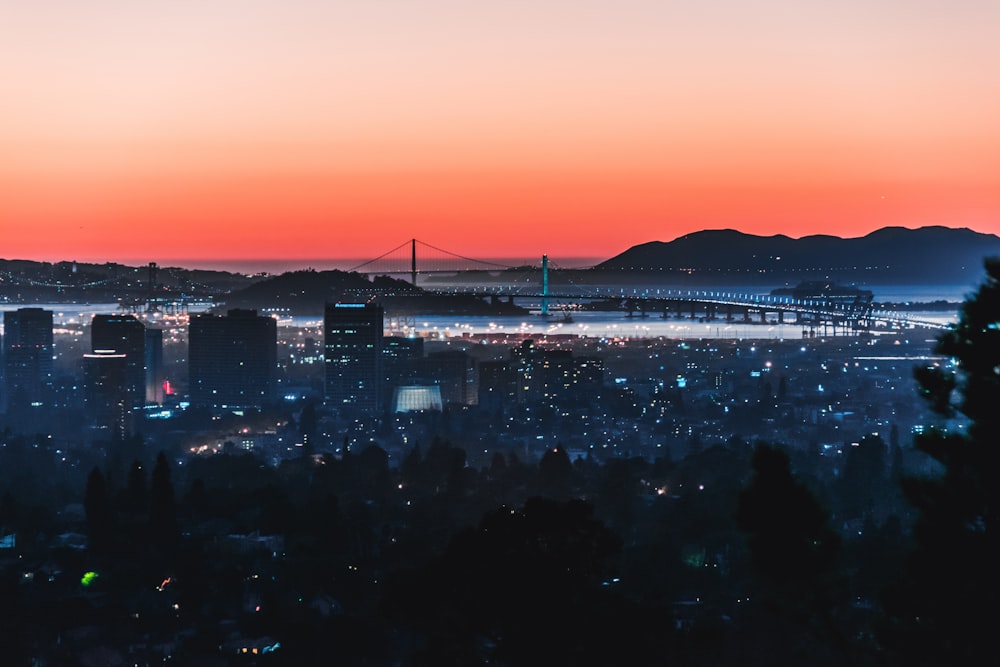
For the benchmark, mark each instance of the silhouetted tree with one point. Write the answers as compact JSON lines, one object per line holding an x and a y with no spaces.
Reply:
{"x":441,"y":468}
{"x":373,"y":472}
{"x":498,"y":465}
{"x":617,"y":492}
{"x":137,"y":490}
{"x":936,"y":612}
{"x":197,"y":498}
{"x":794,"y":555}
{"x":97,"y":507}
{"x":162,"y":512}
{"x":410,"y":467}
{"x":554,"y":472}
{"x":864,"y":477}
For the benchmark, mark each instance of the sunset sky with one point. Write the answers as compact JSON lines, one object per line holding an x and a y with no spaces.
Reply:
{"x":153,"y":131}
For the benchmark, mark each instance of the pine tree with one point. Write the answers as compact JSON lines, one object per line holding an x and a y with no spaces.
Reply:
{"x":162,"y":512}
{"x":863,"y":478}
{"x":97,"y":507}
{"x":794,"y":555}
{"x":555,"y":472}
{"x":935,"y":614}
{"x":137,"y":491}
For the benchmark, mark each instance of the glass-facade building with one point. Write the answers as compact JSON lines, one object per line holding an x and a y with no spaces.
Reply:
{"x":232,"y":359}
{"x":352,"y":355}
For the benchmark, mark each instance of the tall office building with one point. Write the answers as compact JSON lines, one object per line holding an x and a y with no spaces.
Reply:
{"x":154,"y":366}
{"x":123,"y":334}
{"x":497,"y":385}
{"x":549,"y":376}
{"x":232,"y":359}
{"x":108,"y":397}
{"x":400,"y":356}
{"x":353,"y":355}
{"x":27,"y":362}
{"x":455,"y":372}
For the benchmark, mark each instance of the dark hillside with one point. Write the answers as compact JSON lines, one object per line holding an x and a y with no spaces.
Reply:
{"x":926,"y":255}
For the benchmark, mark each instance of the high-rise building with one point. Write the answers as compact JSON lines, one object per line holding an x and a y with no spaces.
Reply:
{"x":27,"y":363}
{"x":154,"y":366}
{"x":455,"y":372}
{"x":554,"y":376}
{"x":400,"y":356}
{"x":108,"y":396}
{"x":123,"y":334}
{"x":353,"y":355}
{"x":232,"y":359}
{"x":497,"y":384}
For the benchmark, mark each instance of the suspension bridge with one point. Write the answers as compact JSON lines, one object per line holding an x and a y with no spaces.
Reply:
{"x":403,"y":260}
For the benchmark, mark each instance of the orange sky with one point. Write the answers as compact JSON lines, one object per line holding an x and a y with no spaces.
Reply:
{"x":256,"y":128}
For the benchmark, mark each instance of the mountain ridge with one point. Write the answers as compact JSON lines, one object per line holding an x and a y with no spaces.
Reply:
{"x":925,"y":254}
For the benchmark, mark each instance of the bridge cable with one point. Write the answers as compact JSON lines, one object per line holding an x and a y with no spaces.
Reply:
{"x":372,"y":261}
{"x":468,"y":259}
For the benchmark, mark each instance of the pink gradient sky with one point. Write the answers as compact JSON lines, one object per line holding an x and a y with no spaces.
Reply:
{"x":262,"y":129}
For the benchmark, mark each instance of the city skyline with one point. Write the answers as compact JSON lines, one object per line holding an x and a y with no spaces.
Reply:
{"x":297,"y":130}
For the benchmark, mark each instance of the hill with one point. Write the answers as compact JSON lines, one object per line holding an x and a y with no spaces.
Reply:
{"x":307,"y":292}
{"x":26,"y":281}
{"x":927,"y":255}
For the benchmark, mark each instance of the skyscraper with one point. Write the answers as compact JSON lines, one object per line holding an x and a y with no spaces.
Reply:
{"x":497,"y":385}
{"x":399,"y":359}
{"x":455,"y":372}
{"x":154,"y":366}
{"x":353,"y":355}
{"x":27,"y":361}
{"x":232,"y":359}
{"x":108,"y":397}
{"x":123,"y":334}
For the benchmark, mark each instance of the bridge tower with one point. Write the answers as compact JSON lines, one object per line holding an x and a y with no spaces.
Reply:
{"x":413,"y":262}
{"x":151,"y":286}
{"x":545,"y":286}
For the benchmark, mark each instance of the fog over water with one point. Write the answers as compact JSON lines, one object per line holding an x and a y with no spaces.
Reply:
{"x":600,"y":324}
